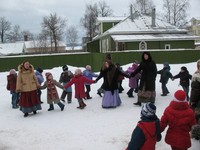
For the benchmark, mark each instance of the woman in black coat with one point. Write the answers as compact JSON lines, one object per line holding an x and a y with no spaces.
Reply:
{"x":148,"y":71}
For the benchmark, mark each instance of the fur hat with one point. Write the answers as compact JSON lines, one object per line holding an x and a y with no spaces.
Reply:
{"x":180,"y":96}
{"x":148,"y":110}
{"x":12,"y":71}
{"x":88,"y":67}
{"x":65,"y":68}
{"x":78,"y":72}
{"x":40,"y":70}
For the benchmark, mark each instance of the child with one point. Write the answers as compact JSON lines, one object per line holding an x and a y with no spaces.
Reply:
{"x":165,"y":74}
{"x":147,"y":131}
{"x":133,"y":80}
{"x":88,"y":74}
{"x":40,"y":79}
{"x":179,"y":118}
{"x":11,"y":86}
{"x":65,"y":77}
{"x":79,"y":80}
{"x":52,"y":94}
{"x":185,"y":78}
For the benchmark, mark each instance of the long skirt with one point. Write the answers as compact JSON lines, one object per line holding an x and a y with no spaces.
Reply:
{"x":111,"y":100}
{"x":29,"y":102}
{"x":146,"y":96}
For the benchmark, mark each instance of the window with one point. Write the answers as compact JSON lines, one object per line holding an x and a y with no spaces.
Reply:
{"x":167,"y":46}
{"x":143,"y":45}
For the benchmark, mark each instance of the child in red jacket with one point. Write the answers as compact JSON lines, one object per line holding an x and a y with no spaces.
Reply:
{"x":180,"y":118}
{"x":11,"y":86}
{"x":147,"y":131}
{"x":79,"y":81}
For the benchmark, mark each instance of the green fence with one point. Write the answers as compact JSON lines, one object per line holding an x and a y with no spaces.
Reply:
{"x":96,"y":59}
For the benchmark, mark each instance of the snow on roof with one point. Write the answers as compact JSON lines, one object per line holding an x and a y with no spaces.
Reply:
{"x":110,"y":19}
{"x":37,"y":44}
{"x":140,"y":25}
{"x":151,"y":37}
{"x":11,"y":48}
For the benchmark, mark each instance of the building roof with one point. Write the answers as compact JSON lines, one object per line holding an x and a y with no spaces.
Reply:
{"x":153,"y":37}
{"x":11,"y":48}
{"x":110,"y":19}
{"x":37,"y":44}
{"x":142,"y":24}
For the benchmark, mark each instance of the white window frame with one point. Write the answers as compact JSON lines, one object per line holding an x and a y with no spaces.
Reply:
{"x":167,"y":46}
{"x":142,"y":45}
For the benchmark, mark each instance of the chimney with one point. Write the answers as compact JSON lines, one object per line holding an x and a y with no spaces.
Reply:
{"x":153,"y":17}
{"x":131,"y":12}
{"x":25,"y":37}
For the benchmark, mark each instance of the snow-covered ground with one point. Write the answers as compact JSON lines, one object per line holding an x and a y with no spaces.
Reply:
{"x":92,"y":128}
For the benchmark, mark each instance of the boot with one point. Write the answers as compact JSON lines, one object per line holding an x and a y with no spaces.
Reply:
{"x":51,"y":107}
{"x":62,"y":106}
{"x":69,"y":98}
{"x":81,"y":104}
{"x":25,"y":114}
{"x":138,"y":103}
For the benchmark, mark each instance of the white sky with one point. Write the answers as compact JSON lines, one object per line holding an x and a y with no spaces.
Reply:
{"x":28,"y":13}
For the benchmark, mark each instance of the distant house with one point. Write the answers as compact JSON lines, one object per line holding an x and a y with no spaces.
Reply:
{"x":12,"y":48}
{"x":44,"y":47}
{"x":195,"y":26}
{"x":139,"y":32}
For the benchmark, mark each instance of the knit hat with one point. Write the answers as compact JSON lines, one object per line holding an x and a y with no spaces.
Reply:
{"x":40,"y":70}
{"x":148,"y":110}
{"x":88,"y":67}
{"x":12,"y":71}
{"x":65,"y":68}
{"x":183,"y":68}
{"x":180,"y":96}
{"x":47,"y":74}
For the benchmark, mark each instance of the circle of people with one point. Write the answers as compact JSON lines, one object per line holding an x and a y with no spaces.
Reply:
{"x":181,"y":116}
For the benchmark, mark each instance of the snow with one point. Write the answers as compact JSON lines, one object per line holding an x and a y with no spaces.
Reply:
{"x":92,"y":128}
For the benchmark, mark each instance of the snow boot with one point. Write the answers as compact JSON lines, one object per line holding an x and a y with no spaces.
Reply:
{"x":51,"y":107}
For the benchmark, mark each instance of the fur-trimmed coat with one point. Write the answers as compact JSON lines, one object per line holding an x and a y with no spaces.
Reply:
{"x":26,"y":79}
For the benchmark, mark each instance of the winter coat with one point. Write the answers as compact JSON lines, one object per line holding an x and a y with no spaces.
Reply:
{"x":145,"y":135}
{"x":39,"y":77}
{"x":148,"y":71}
{"x":180,"y":118}
{"x":110,"y":76}
{"x":195,"y":89}
{"x":26,"y":79}
{"x":79,"y":81}
{"x":89,"y":74}
{"x":133,"y":80}
{"x":165,"y":74}
{"x":66,"y":76}
{"x":11,"y":82}
{"x":52,"y":93}
{"x":184,"y":78}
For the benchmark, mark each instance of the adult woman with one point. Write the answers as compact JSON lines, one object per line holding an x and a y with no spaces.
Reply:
{"x":27,"y":85}
{"x":195,"y":94}
{"x":110,"y":74}
{"x":148,"y":71}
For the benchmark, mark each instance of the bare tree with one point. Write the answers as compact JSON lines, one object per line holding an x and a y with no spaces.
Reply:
{"x":88,"y":21}
{"x":72,"y":36}
{"x":175,"y":11}
{"x":143,"y":6}
{"x":5,"y":26}
{"x":104,"y":10}
{"x":15,"y":34}
{"x":54,"y":26}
